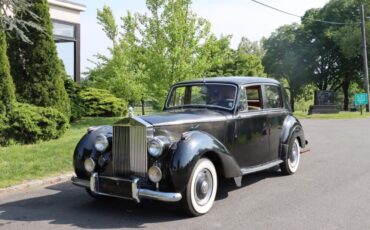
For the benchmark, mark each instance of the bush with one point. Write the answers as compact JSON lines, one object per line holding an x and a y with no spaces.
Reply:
{"x":4,"y":128}
{"x":29,"y":124}
{"x":77,"y":106}
{"x":99,"y":102}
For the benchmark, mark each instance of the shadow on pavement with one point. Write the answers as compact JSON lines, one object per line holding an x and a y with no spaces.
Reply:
{"x":228,"y":185}
{"x":72,"y":206}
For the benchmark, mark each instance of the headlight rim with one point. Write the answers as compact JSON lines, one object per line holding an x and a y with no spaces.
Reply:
{"x":106,"y":142}
{"x":163,"y":143}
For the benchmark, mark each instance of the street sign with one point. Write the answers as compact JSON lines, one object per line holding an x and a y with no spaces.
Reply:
{"x":361,"y":99}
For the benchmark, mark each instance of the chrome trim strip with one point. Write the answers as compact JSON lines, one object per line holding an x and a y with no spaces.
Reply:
{"x":80,"y":182}
{"x":261,"y":167}
{"x":93,"y":180}
{"x":160,"y":196}
{"x":135,"y":190}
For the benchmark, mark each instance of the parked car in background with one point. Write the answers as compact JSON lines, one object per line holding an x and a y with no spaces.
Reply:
{"x":210,"y":128}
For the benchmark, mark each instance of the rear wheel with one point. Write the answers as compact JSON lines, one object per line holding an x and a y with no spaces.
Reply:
{"x":291,"y":163}
{"x":200,"y":193}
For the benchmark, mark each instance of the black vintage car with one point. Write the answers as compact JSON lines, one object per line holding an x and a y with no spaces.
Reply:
{"x":210,"y":128}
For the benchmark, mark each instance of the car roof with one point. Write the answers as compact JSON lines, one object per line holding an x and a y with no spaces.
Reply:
{"x":239,"y":80}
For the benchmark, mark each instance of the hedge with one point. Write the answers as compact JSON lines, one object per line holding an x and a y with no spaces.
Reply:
{"x":99,"y":102}
{"x":29,"y":124}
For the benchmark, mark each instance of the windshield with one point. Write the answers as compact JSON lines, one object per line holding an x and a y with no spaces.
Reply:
{"x":209,"y":95}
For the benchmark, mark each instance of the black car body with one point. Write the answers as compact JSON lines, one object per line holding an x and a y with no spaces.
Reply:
{"x":212,"y":127}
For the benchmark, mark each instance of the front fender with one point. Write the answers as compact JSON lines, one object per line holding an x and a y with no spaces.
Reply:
{"x":193,"y":146}
{"x":291,"y":125}
{"x":85,"y":148}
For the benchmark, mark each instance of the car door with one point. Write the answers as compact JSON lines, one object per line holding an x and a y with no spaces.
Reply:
{"x":274,"y":106}
{"x":251,"y":146}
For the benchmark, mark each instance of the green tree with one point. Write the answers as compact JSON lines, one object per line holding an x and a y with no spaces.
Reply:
{"x":245,"y":61}
{"x":7,"y":94}
{"x":250,"y":47}
{"x":120,"y":72}
{"x":36,"y":68}
{"x":9,"y":23}
{"x":335,"y":58}
{"x":284,"y":59}
{"x":152,"y":51}
{"x":9,"y":8}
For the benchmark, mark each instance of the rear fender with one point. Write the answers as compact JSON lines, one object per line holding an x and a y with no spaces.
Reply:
{"x":291,"y":126}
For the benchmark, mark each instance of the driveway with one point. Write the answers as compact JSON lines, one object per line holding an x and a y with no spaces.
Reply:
{"x":330,"y":191}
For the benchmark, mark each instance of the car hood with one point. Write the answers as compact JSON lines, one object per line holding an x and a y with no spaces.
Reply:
{"x":185,"y":116}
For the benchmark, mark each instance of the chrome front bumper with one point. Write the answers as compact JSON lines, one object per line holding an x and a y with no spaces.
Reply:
{"x":136,"y":193}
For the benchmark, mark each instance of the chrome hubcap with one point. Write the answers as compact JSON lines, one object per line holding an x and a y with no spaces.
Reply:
{"x":294,"y":155}
{"x":203,"y":187}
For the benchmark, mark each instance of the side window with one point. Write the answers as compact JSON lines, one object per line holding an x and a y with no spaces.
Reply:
{"x":273,"y":97}
{"x":243,"y":101}
{"x":250,"y":98}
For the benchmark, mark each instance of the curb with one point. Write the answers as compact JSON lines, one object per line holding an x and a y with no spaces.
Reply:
{"x":37,"y":183}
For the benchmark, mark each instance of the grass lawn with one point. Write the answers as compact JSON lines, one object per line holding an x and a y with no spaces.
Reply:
{"x":340,"y":115}
{"x":25,"y":162}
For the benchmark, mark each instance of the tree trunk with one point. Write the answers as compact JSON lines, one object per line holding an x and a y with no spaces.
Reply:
{"x":345,"y":88}
{"x":292,"y":95}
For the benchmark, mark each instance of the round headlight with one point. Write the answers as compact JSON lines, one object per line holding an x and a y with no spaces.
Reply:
{"x":157,"y":145}
{"x":101,"y":143}
{"x":89,"y":165}
{"x":155,"y":148}
{"x":155,"y":174}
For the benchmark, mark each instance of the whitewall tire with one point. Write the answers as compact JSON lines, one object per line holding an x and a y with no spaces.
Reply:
{"x":291,"y":163}
{"x":200,"y":193}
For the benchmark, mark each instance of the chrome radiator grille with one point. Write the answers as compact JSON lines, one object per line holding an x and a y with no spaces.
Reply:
{"x":129,"y":151}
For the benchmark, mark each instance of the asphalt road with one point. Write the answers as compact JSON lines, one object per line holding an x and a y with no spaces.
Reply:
{"x":330,"y":191}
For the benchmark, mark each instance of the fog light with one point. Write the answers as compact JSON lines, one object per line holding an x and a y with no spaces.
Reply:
{"x":155,"y":174}
{"x":89,"y":165}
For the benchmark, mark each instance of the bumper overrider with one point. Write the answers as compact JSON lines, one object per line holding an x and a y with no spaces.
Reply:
{"x":123,"y":188}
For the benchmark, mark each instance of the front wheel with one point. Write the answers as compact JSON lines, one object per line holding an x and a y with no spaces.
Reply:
{"x":201,"y":189}
{"x":291,"y":163}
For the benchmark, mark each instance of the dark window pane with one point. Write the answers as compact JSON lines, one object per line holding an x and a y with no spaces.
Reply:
{"x":64,"y":30}
{"x":273,"y":97}
{"x":212,"y":95}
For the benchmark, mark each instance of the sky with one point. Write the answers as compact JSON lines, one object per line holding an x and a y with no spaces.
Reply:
{"x":228,"y":17}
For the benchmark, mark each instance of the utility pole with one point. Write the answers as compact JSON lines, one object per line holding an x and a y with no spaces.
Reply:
{"x":366,"y":68}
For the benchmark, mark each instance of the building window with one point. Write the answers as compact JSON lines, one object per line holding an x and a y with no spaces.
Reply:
{"x":66,"y":53}
{"x":64,"y":30}
{"x":67,"y":39}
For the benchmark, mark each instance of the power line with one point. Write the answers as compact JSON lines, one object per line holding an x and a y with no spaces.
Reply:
{"x":302,"y":17}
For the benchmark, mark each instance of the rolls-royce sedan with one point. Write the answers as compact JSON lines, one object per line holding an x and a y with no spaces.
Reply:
{"x":209,"y":128}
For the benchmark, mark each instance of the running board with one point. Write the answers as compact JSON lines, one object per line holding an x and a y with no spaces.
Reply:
{"x":260,"y":167}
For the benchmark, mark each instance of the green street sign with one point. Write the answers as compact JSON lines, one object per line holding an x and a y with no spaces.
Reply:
{"x":361,"y":99}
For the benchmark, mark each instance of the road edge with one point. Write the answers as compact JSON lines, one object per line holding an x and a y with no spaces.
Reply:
{"x":37,"y":183}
